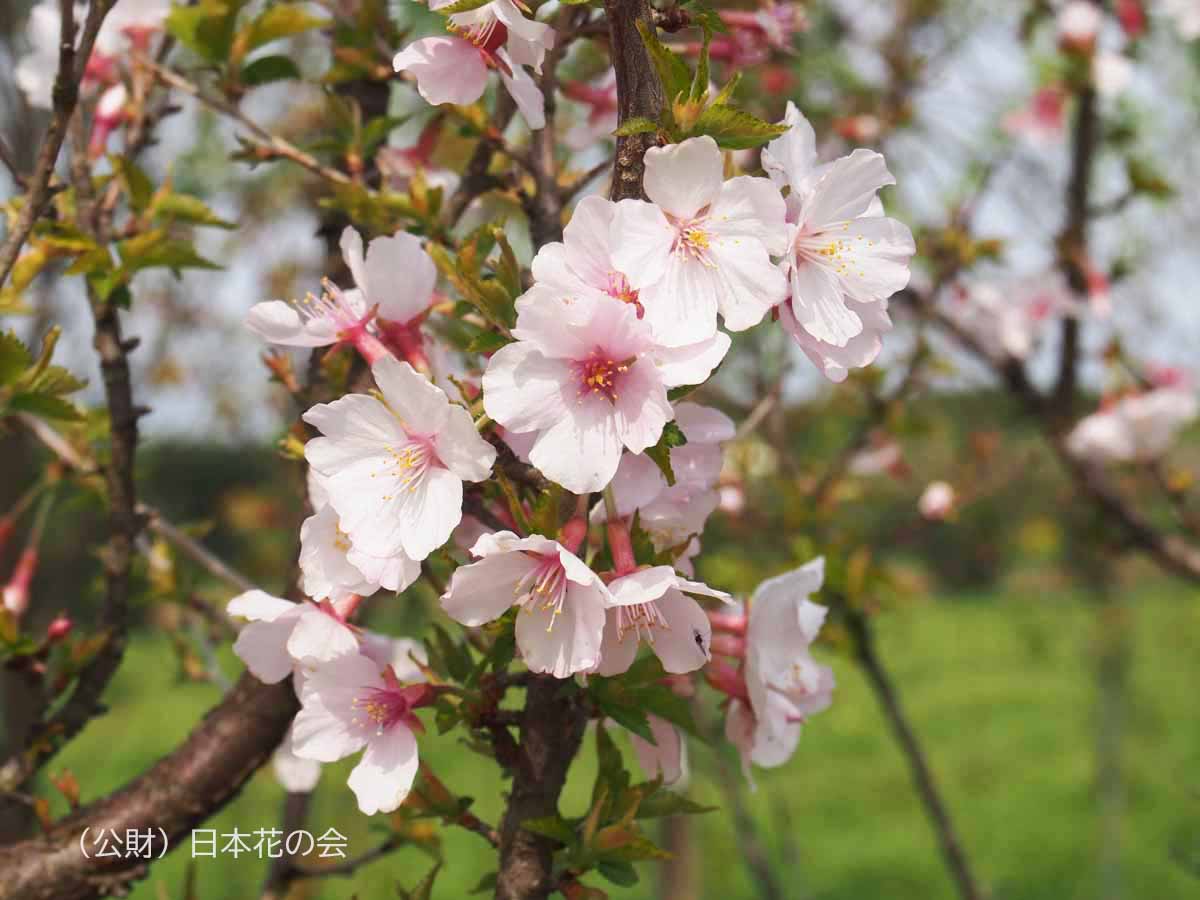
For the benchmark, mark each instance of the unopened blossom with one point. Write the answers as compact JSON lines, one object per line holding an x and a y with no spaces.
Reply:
{"x":655,"y":605}
{"x":599,"y":98}
{"x":588,"y":376}
{"x":333,"y":568}
{"x":1111,"y":73}
{"x":15,"y":594}
{"x":1137,"y":428}
{"x":394,"y":465}
{"x":845,"y":257}
{"x":784,"y":684}
{"x":937,"y":501}
{"x":352,"y":703}
{"x":1042,"y":120}
{"x":1132,"y":16}
{"x":883,"y":455}
{"x":666,"y":757}
{"x":671,"y":514}
{"x":702,"y":245}
{"x":561,"y":603}
{"x":393,"y":280}
{"x":281,"y":634}
{"x":496,"y":35}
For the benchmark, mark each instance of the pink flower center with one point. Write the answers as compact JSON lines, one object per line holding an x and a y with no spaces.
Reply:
{"x":544,"y":586}
{"x":383,"y":708}
{"x":488,"y":37}
{"x":619,"y":287}
{"x":693,"y":240}
{"x":600,"y":374}
{"x":641,"y":619}
{"x":410,"y":461}
{"x":333,"y":305}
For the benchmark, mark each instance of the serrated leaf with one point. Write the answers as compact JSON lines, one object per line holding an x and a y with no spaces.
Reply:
{"x":267,"y":69}
{"x":636,"y":125}
{"x":670,"y":803}
{"x":15,"y":357}
{"x":487,"y":342}
{"x":672,"y":436}
{"x":700,"y":79}
{"x":137,"y":183}
{"x":734,"y":129}
{"x":53,"y":380}
{"x":674,"y":73}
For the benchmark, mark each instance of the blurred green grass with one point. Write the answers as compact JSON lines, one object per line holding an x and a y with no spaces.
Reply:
{"x":1003,"y":693}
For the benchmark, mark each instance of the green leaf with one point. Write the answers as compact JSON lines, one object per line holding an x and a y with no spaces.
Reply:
{"x":424,"y":888}
{"x":554,"y":827}
{"x":672,"y":70}
{"x":722,"y":98}
{"x":636,"y":125}
{"x":266,"y":69}
{"x":186,"y":208}
{"x":700,"y":79}
{"x":670,"y":803}
{"x":660,"y":453}
{"x":53,"y":380}
{"x":618,"y":871}
{"x":704,"y":16}
{"x":44,"y":405}
{"x":15,"y":357}
{"x":486,"y":885}
{"x":206,"y":28}
{"x":277,"y":22}
{"x":734,"y":129}
{"x":620,"y":705}
{"x":487,"y":342}
{"x":137,"y":183}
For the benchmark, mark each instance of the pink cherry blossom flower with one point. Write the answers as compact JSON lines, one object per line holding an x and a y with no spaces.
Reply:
{"x":1136,"y":428}
{"x":655,"y":605}
{"x":496,"y":36}
{"x":846,"y":259}
{"x":282,"y":635}
{"x":937,"y":501}
{"x":1078,"y":24}
{"x":671,"y":514}
{"x":333,"y":568}
{"x":599,"y":98}
{"x":561,"y":602}
{"x":784,"y":684}
{"x":1042,"y":120}
{"x":1007,"y":320}
{"x":394,"y":465}
{"x":666,"y":758}
{"x":589,"y":378}
{"x":394,"y":282}
{"x":703,"y":245}
{"x":350,"y":704}
{"x":1186,"y":16}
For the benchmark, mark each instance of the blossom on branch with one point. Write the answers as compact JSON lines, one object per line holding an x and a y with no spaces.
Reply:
{"x":496,"y":35}
{"x":560,"y":602}
{"x":587,"y":375}
{"x":845,"y":257}
{"x":1136,"y":428}
{"x":395,"y":464}
{"x":282,"y":635}
{"x":703,"y":245}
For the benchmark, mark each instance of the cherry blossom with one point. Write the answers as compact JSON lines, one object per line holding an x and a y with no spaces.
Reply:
{"x":561,"y":603}
{"x":589,"y":378}
{"x":394,"y":465}
{"x":937,"y":501}
{"x":784,"y":684}
{"x":282,"y":634}
{"x":352,"y":703}
{"x":394,"y":282}
{"x":400,"y":164}
{"x":496,"y":35}
{"x":666,"y":758}
{"x":1078,"y":24}
{"x":333,"y":568}
{"x":846,"y":259}
{"x":1186,"y":15}
{"x":703,"y":245}
{"x":1136,"y":428}
{"x":1042,"y":120}
{"x":654,"y":605}
{"x":671,"y":514}
{"x":1006,"y":320}
{"x":296,"y":775}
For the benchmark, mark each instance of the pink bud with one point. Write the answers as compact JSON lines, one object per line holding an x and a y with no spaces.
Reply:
{"x":7,"y":526}
{"x":726,"y":679}
{"x":16,"y":592}
{"x":58,"y":629}
{"x":621,"y":546}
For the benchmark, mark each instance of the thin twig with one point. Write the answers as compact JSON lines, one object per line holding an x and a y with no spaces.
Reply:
{"x":272,"y":145}
{"x":71,"y":64}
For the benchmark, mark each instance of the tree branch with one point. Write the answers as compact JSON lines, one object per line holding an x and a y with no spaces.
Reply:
{"x":639,"y":92}
{"x":71,"y":64}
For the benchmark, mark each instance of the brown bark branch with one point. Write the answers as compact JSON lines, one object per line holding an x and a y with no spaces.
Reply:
{"x":72,"y":61}
{"x":639,"y":92}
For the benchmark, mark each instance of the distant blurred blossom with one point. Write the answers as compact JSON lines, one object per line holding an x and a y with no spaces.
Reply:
{"x":1078,"y":24}
{"x":937,"y":501}
{"x":1111,"y":73}
{"x":599,"y":98}
{"x":1186,"y":14}
{"x":1136,"y":428}
{"x":1042,"y":120}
